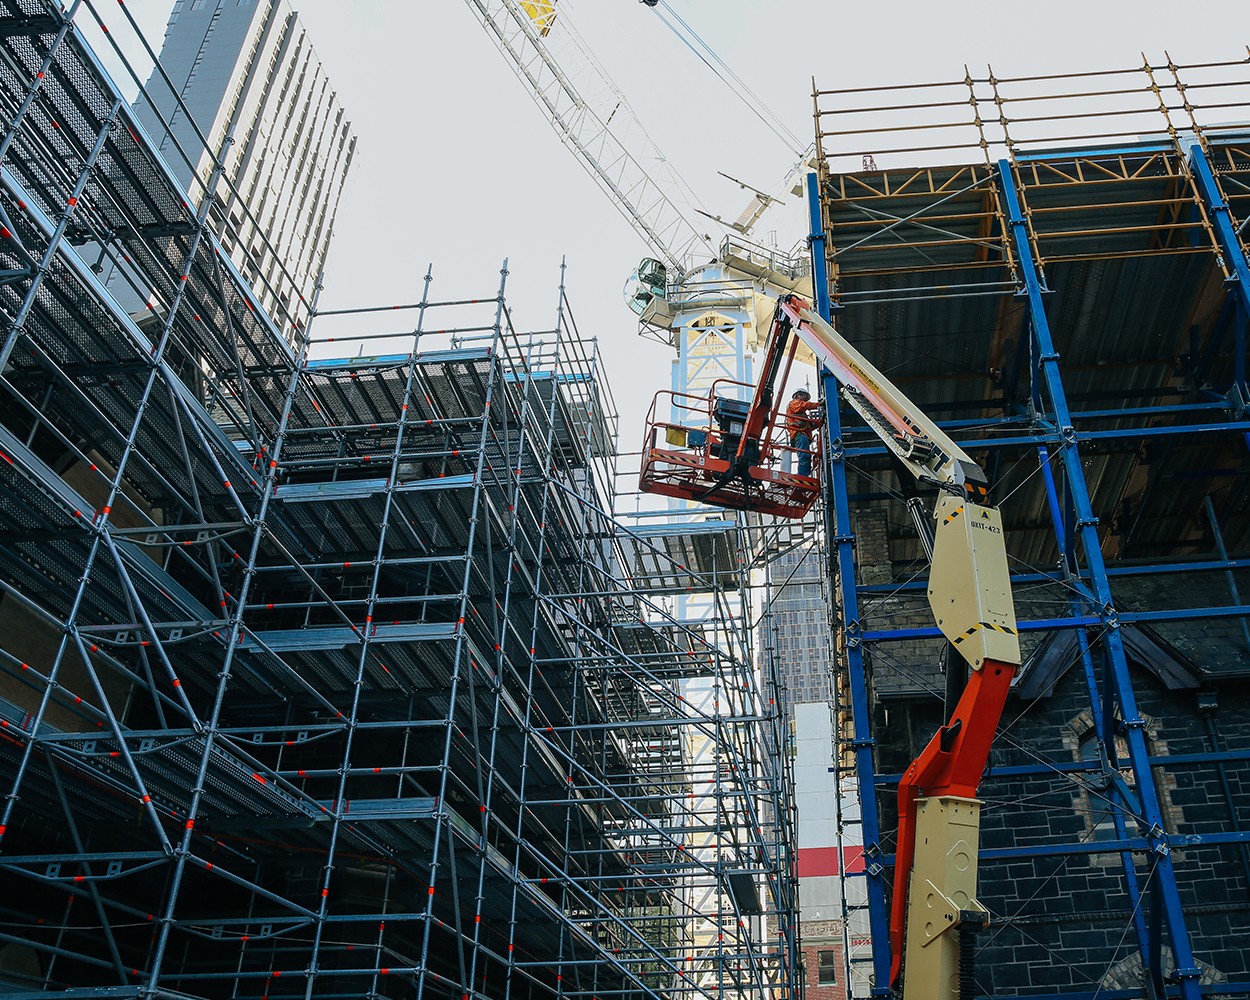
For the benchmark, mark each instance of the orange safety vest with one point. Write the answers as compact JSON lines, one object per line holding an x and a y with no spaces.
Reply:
{"x":796,"y":423}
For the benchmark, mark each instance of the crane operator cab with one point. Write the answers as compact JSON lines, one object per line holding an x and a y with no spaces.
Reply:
{"x":645,"y":284}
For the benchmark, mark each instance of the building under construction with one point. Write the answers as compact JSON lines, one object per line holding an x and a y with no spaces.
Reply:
{"x":339,"y":677}
{"x":343,"y":678}
{"x":1055,"y":268}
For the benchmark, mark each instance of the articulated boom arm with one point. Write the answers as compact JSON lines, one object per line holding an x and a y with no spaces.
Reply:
{"x":970,"y":595}
{"x":917,"y":441}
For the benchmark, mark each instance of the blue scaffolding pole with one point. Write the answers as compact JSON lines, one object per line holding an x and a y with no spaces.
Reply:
{"x":1117,"y":686}
{"x":842,"y":566}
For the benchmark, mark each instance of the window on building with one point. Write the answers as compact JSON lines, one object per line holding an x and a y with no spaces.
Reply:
{"x":1098,"y":802}
{"x":827,"y":968}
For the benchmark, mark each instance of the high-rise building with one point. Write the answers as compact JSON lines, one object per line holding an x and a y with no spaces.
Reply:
{"x":828,"y":847}
{"x":800,"y":623}
{"x":239,"y":79}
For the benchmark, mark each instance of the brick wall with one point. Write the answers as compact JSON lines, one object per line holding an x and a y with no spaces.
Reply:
{"x":823,"y":936}
{"x":1068,"y":922}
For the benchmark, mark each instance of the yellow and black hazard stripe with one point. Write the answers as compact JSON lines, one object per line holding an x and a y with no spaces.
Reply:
{"x":952,"y":515}
{"x":973,"y":630}
{"x":974,"y":491}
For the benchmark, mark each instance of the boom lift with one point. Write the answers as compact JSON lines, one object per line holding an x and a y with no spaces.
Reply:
{"x":731,"y":460}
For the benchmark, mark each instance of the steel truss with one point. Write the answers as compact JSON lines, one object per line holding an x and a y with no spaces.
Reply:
{"x":339,"y":677}
{"x":1074,"y":304}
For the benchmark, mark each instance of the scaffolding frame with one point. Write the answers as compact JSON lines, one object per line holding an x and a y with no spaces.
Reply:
{"x":340,"y":677}
{"x":1050,"y":218}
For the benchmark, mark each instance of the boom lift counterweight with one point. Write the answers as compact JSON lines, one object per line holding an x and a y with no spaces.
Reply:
{"x":969,"y":592}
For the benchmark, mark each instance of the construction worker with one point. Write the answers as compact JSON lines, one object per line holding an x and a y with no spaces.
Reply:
{"x":799,"y":427}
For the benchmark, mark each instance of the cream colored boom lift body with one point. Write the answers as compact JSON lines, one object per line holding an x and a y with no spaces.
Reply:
{"x":935,"y":876}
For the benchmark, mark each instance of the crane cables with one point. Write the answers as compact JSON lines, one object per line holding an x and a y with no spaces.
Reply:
{"x":707,"y":55}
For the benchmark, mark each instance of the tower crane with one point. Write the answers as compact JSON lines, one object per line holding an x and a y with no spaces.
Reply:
{"x":715,"y":447}
{"x":731,"y":459}
{"x":700,"y":294}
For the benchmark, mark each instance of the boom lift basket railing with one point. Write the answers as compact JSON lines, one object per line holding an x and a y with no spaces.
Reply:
{"x":692,"y":455}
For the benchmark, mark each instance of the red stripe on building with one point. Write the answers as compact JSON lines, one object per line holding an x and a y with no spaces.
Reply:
{"x":817,"y":861}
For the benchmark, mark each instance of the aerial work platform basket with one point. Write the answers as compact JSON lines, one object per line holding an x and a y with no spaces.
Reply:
{"x":693,"y":455}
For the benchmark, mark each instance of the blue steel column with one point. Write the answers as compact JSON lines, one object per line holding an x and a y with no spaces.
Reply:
{"x":1069,"y":569}
{"x":1222,"y":220}
{"x":1118,"y":680}
{"x":843,"y":564}
{"x":1230,"y":246}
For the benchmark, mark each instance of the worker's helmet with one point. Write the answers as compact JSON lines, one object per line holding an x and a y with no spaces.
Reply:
{"x":802,"y":394}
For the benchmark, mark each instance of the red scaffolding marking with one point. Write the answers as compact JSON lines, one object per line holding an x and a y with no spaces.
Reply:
{"x":259,"y":777}
{"x":72,"y":202}
{"x":146,"y":798}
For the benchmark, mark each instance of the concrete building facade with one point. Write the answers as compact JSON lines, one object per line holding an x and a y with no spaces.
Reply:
{"x":239,"y":80}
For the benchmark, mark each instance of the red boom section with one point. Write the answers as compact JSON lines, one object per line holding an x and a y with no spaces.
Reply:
{"x":951,"y":764}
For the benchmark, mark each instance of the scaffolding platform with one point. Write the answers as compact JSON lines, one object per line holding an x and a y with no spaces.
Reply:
{"x":337,"y":676}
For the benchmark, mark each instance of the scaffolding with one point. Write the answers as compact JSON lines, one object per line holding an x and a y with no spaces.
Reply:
{"x":1055,"y":267}
{"x":340,"y":677}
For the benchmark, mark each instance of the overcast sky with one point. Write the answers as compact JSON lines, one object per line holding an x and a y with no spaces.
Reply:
{"x":457,"y":167}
